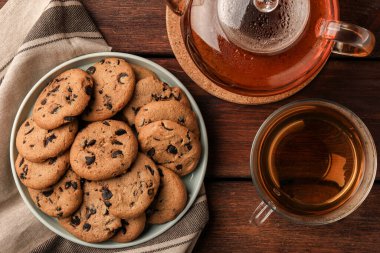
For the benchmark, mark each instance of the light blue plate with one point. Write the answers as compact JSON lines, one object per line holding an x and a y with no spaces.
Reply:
{"x":193,"y":181}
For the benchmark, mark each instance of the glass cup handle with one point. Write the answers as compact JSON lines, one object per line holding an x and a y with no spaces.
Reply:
{"x":261,"y":214}
{"x":351,"y":40}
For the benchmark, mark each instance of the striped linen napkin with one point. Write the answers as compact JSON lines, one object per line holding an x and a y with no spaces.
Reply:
{"x":37,"y":36}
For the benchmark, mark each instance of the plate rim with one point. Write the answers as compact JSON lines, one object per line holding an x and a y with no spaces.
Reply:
{"x":202,"y":166}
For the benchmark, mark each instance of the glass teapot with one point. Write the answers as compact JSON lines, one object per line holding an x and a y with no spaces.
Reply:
{"x":266,"y":47}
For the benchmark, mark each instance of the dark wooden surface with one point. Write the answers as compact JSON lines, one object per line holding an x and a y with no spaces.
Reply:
{"x":138,"y":27}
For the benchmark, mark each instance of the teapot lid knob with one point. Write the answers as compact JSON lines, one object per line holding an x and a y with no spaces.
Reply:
{"x":265,"y":5}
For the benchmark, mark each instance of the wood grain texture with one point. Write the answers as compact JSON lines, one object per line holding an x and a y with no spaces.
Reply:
{"x":139,"y":26}
{"x":231,"y":127}
{"x":231,"y":204}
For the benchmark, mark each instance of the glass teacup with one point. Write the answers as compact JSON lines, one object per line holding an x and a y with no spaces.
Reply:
{"x":312,"y":162}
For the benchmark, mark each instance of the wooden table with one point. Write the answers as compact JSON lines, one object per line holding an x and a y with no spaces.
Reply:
{"x":138,"y":27}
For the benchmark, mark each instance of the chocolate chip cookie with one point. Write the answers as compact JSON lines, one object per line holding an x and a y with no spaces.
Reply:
{"x":171,"y":145}
{"x":103,"y":150}
{"x":151,"y":89}
{"x":63,"y":99}
{"x":130,"y":195}
{"x":170,"y":200}
{"x":114,"y":83}
{"x":37,"y":144}
{"x":141,"y":72}
{"x":92,"y":222}
{"x":167,"y":110}
{"x":62,"y":199}
{"x":40,"y":176}
{"x":130,"y":229}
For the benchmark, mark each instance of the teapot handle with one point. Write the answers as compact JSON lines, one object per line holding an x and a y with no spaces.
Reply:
{"x":177,"y":6}
{"x":351,"y":40}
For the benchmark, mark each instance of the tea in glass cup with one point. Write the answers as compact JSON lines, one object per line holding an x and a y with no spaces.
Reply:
{"x":312,"y":161}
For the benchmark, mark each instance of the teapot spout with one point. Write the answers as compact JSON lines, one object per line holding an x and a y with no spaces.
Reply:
{"x":177,"y":6}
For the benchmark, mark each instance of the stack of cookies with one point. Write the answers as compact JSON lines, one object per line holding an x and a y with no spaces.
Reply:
{"x":105,"y":149}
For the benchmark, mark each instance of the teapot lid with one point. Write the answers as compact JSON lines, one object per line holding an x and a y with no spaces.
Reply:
{"x":263,"y":26}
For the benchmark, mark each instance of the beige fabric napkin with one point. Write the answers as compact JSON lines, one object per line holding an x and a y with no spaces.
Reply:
{"x":35,"y":37}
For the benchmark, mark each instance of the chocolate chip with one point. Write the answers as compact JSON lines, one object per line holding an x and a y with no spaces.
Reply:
{"x":116,"y":153}
{"x":24,"y":173}
{"x":90,"y":159}
{"x":179,"y":167}
{"x":106,"y":123}
{"x":124,"y":223}
{"x":52,"y":160}
{"x":55,"y":110}
{"x":188,"y":135}
{"x":31,"y":130}
{"x":88,"y":90}
{"x":150,"y":192}
{"x":172,"y":150}
{"x":74,"y":185}
{"x":100,"y":92}
{"x":49,"y":139}
{"x":107,"y":212}
{"x":48,"y":192}
{"x":55,"y":89}
{"x":120,"y":132}
{"x":58,"y":208}
{"x":91,"y":70}
{"x":121,"y":77}
{"x":60,"y":214}
{"x":86,"y":227}
{"x":69,"y":118}
{"x":150,"y":169}
{"x":43,"y":101}
{"x":108,"y":105}
{"x":116,"y":142}
{"x":38,"y":201}
{"x":60,"y":189}
{"x":90,"y":143}
{"x":160,"y":172}
{"x":118,"y":61}
{"x":151,"y":152}
{"x":21,"y":162}
{"x":90,"y":211}
{"x":106,"y":193}
{"x":123,"y":230}
{"x":68,"y":185}
{"x":101,"y":61}
{"x":75,"y":221}
{"x":27,"y":124}
{"x":107,"y":203}
{"x":69,"y":89}
{"x":188,"y":146}
{"x":181,"y":120}
{"x":131,"y":204}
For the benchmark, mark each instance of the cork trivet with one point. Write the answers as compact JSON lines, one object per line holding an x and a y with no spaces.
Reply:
{"x":184,"y":59}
